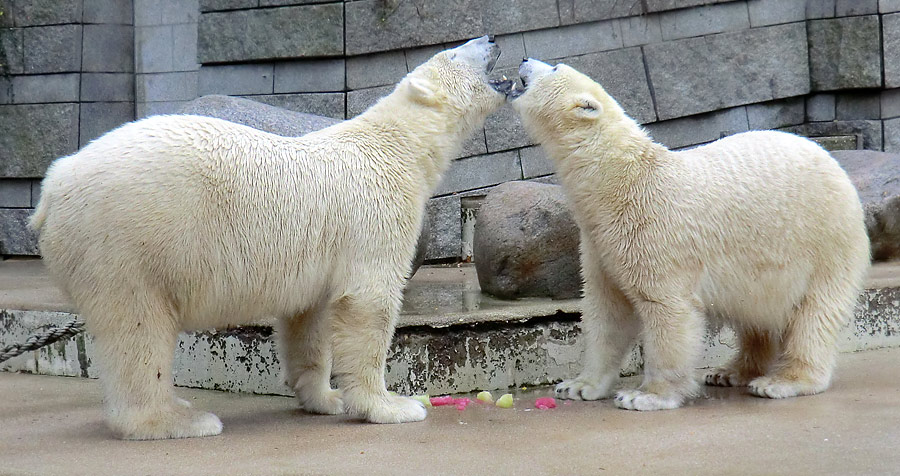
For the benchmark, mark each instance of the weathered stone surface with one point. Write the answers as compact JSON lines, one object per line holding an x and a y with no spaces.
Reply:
{"x":687,"y":131}
{"x":107,"y":87}
{"x":375,"y":25}
{"x":773,"y":12}
{"x":890,"y":103}
{"x":214,"y":5}
{"x":480,"y":171}
{"x":375,"y":70}
{"x":42,"y":12}
{"x":237,"y":79}
{"x":114,"y":12}
{"x":661,"y":5}
{"x":622,"y":75}
{"x":718,"y":71}
{"x":888,"y":6}
{"x":704,"y":20}
{"x":42,"y":88}
{"x":503,"y":130}
{"x":35,"y":135}
{"x":869,"y":131}
{"x":98,"y":118}
{"x":640,"y":30}
{"x":892,"y":135}
{"x":303,"y":31}
{"x":875,"y":176}
{"x":819,"y":9}
{"x":178,"y":86}
{"x":850,"y":106}
{"x":891,"y":45}
{"x":15,"y":193}
{"x":309,"y":76}
{"x":331,"y":105}
{"x":844,"y":53}
{"x":108,"y":48}
{"x":12,"y":60}
{"x":360,"y":100}
{"x":771,"y":115}
{"x":535,"y":162}
{"x":446,"y":233}
{"x":846,"y":8}
{"x":553,"y":43}
{"x":52,"y":49}
{"x":581,"y":11}
{"x":7,"y":19}
{"x":15,"y":236}
{"x":526,"y":243}
{"x":820,"y":107}
{"x":257,"y":115}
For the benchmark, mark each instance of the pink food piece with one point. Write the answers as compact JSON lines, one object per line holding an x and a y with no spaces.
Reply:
{"x":441,"y":401}
{"x":462,"y":403}
{"x":545,"y":403}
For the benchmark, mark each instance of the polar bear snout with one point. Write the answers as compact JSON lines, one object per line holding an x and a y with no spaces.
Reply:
{"x":481,"y":53}
{"x":531,"y":70}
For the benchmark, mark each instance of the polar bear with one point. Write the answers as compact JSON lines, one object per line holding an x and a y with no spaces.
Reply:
{"x":760,"y":230}
{"x":175,"y":222}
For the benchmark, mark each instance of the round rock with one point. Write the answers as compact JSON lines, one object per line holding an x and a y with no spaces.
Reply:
{"x":526,"y":243}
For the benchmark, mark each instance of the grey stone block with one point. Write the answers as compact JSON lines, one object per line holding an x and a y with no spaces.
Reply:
{"x":166,"y":87}
{"x":844,"y":53}
{"x":15,"y":193}
{"x":276,"y":3}
{"x":215,"y":5}
{"x":888,"y":6}
{"x":662,"y":5}
{"x":176,"y":12}
{"x":376,"y":69}
{"x":622,"y":75}
{"x":820,"y":107}
{"x":257,"y":115}
{"x":640,"y":30}
{"x":508,"y":16}
{"x":481,"y":171}
{"x":892,"y":135}
{"x":503,"y":130}
{"x":445,"y":239}
{"x":308,"y":76}
{"x":98,"y":118}
{"x":890,"y":103}
{"x":775,"y":114}
{"x":704,"y":20}
{"x":15,"y":236}
{"x":237,"y":79}
{"x":7,"y":19}
{"x":706,"y":74}
{"x":360,"y":100}
{"x":817,"y":9}
{"x":476,"y":144}
{"x":774,"y":12}
{"x":6,"y":92}
{"x":12,"y":47}
{"x":850,"y":106}
{"x":108,"y":48}
{"x":535,"y":162}
{"x":869,"y":131}
{"x":687,"y":131}
{"x":35,"y":192}
{"x":512,"y":50}
{"x":572,"y":40}
{"x":116,"y":12}
{"x":184,"y":47}
{"x":153,"y":49}
{"x":322,"y":104}
{"x":891,"y":49}
{"x":43,"y":12}
{"x":417,"y":56}
{"x":52,"y":49}
{"x":45,"y":88}
{"x":580,"y":11}
{"x":304,"y":31}
{"x":846,"y":8}
{"x":107,"y":87}
{"x":145,"y":109}
{"x":38,"y":134}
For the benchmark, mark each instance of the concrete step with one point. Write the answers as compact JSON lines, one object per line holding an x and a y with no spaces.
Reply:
{"x":450,"y":338}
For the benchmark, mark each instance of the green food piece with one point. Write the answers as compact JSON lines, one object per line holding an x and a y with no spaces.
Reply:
{"x":485,"y":397}
{"x":425,"y":399}
{"x":506,"y":401}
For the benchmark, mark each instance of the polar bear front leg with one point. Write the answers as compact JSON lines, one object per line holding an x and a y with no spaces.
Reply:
{"x":757,"y":349}
{"x":672,"y":333}
{"x":609,"y":327}
{"x":304,"y":342}
{"x":363,"y":326}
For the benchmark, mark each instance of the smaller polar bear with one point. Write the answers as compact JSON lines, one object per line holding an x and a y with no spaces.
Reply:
{"x":183,"y":222}
{"x":761,"y":230}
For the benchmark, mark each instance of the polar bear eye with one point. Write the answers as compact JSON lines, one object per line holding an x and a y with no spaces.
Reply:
{"x":554,"y":68}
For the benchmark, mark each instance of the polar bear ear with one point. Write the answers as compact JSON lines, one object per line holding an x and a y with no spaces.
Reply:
{"x":420,"y":90}
{"x":587,"y":107}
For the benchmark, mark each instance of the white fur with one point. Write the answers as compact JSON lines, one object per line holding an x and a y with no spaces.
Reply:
{"x":184,"y":222}
{"x":761,"y":230}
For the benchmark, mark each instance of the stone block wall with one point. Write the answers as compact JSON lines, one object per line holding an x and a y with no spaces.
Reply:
{"x":691,"y":71}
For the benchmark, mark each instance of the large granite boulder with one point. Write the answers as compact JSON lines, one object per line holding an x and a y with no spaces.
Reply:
{"x":282,"y":122}
{"x":526,"y":243}
{"x":876,"y":176}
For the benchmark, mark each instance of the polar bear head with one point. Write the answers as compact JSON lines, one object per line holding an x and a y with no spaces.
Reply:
{"x":454,"y":84}
{"x":561,"y":104}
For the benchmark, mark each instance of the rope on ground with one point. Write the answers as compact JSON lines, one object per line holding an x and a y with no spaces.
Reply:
{"x":37,"y":341}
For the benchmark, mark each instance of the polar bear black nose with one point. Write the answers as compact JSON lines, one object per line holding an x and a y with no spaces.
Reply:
{"x":525,"y":59}
{"x":491,"y":38}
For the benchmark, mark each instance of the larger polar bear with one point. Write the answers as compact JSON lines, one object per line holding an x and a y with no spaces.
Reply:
{"x":762,"y":230}
{"x":186,"y":222}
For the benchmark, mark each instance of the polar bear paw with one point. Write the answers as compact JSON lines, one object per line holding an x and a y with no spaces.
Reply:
{"x":726,"y":377}
{"x":397,"y":410}
{"x":644,"y":401}
{"x":779,"y":387}
{"x":580,"y":389}
{"x":327,"y":403}
{"x":184,"y":423}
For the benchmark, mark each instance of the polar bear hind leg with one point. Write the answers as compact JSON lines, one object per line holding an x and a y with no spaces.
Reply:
{"x":305,"y":346}
{"x":756,"y":350}
{"x":135,"y":339}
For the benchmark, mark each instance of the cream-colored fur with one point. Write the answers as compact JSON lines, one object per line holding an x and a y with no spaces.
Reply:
{"x":762,"y":230}
{"x":184,"y":222}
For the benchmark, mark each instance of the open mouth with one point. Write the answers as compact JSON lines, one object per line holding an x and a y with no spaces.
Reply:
{"x":495,"y":55}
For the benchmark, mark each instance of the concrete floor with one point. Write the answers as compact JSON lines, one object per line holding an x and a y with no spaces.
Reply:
{"x":52,"y":425}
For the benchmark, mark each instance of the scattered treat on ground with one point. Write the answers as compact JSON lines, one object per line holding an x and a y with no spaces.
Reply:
{"x":485,"y":397}
{"x":506,"y":401}
{"x":545,"y":403}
